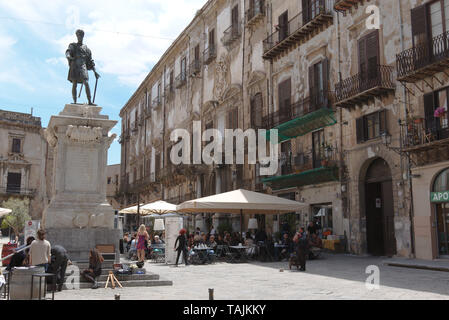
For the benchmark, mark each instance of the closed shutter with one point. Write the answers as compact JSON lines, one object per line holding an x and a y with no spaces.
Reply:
{"x":362,"y":58}
{"x":256,"y":111}
{"x":305,"y":11}
{"x":283,"y":26}
{"x":429,"y":111}
{"x":324,"y":95}
{"x":383,"y":122}
{"x":360,"y":128}
{"x":235,"y":17}
{"x":372,"y":54}
{"x":420,"y":24}
{"x":212,"y":38}
{"x":312,"y":92}
{"x":285,"y":99}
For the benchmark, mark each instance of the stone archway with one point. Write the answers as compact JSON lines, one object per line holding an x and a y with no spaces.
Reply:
{"x":378,"y":207}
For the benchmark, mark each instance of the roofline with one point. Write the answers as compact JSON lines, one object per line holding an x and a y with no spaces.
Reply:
{"x":161,"y":59}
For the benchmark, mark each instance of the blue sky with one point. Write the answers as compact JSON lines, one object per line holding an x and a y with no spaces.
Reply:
{"x":126,"y":38}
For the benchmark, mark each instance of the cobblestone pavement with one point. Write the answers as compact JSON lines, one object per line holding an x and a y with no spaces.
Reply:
{"x":332,"y":277}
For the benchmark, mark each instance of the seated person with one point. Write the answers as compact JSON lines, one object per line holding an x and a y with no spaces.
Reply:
{"x":94,"y":271}
{"x":227,"y":239}
{"x":133,"y":248}
{"x":283,"y":252}
{"x":157,"y":240}
{"x":220,"y":241}
{"x":249,"y":242}
{"x":212,"y":243}
{"x":314,"y":244}
{"x":20,"y":259}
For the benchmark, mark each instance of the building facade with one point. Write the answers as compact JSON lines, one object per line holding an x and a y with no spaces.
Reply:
{"x":113,"y":185}
{"x":360,"y":108}
{"x":22,"y":160}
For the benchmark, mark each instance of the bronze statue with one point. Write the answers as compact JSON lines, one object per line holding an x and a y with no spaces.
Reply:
{"x":80,"y":61}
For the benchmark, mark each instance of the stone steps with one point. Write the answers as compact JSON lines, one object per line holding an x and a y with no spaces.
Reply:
{"x":135,"y":280}
{"x":125,"y":284}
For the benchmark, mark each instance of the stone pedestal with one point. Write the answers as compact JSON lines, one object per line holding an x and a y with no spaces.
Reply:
{"x":79,"y":216}
{"x":172,"y":227}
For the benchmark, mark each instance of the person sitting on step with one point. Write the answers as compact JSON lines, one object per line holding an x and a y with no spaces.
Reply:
{"x":94,"y":271}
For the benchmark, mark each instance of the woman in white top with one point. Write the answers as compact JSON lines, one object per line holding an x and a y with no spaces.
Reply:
{"x":40,"y":251}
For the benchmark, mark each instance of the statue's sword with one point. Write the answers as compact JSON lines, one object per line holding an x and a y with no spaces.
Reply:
{"x":95,"y":91}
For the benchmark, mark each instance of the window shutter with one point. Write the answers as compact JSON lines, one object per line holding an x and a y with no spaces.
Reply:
{"x":360,"y":128}
{"x":305,"y":11}
{"x":324,"y":95}
{"x":312,"y":94}
{"x":429,"y":110}
{"x":383,"y":122}
{"x":372,"y":54}
{"x":362,"y":57}
{"x":420,"y":24}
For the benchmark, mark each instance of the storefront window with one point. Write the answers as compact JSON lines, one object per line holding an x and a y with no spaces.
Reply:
{"x":442,"y":182}
{"x":442,"y":214}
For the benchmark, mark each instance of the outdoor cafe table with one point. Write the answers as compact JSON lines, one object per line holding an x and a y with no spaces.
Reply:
{"x":241,"y":251}
{"x":202,"y":253}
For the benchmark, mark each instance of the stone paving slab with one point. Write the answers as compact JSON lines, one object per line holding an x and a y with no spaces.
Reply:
{"x":335,"y":277}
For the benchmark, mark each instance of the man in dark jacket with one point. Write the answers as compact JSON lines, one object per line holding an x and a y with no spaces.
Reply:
{"x":301,"y":246}
{"x":58,"y":265}
{"x":181,"y":246}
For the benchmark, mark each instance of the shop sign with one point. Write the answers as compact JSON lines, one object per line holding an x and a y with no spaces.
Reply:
{"x":438,"y":197}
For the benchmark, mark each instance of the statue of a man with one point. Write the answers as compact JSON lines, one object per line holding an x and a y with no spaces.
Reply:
{"x":80,"y":61}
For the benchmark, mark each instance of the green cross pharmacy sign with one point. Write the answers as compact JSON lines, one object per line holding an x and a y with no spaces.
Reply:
{"x":439,"y":197}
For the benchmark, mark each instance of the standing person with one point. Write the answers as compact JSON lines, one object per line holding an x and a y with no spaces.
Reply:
{"x":58,"y":265}
{"x":142,"y":238}
{"x":40,"y":251}
{"x":126,"y":240}
{"x":301,"y":245}
{"x":212,"y":231}
{"x":132,"y":247}
{"x":182,"y":247}
{"x":94,"y":271}
{"x":311,"y":229}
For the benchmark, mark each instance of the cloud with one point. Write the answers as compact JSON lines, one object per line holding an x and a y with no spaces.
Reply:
{"x":126,"y":37}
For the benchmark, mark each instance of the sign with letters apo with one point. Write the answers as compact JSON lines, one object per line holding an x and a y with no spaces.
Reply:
{"x":439,"y":197}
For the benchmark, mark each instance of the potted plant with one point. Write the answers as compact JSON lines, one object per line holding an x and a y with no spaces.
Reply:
{"x":440,"y":112}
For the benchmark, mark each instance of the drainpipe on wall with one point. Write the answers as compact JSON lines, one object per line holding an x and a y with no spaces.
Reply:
{"x":409,"y":171}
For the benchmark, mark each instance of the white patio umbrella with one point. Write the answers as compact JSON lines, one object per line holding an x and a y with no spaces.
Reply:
{"x":243,"y":202}
{"x":4,"y":212}
{"x":131,"y":210}
{"x":159,"y":208}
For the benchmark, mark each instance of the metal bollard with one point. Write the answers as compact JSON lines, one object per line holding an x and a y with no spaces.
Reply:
{"x":211,"y":294}
{"x":117,"y":297}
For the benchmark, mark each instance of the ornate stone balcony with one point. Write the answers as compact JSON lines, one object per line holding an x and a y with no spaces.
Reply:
{"x":255,"y":13}
{"x":424,"y":60}
{"x":209,"y":54}
{"x":363,"y":87}
{"x":299,"y":29}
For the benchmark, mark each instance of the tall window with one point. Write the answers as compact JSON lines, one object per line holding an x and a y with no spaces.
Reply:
{"x":212,"y":38}
{"x":369,"y":58}
{"x":235,"y":18}
{"x":183,"y":68}
{"x":256,"y":111}
{"x":318,"y":148}
{"x":433,"y":101}
{"x":371,"y":126}
{"x":16,"y":145}
{"x":283,"y":26}
{"x":13,"y":183}
{"x":285,"y":94}
{"x":318,"y":84}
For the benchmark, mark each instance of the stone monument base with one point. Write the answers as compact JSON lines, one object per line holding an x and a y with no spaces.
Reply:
{"x":78,"y":242}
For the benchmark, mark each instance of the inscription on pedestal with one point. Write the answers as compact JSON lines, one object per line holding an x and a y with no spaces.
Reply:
{"x":82,"y":169}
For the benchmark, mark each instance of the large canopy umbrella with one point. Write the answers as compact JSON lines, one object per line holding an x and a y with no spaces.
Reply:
{"x":4,"y":212}
{"x":130,"y":210}
{"x":241,"y":202}
{"x":159,"y":207}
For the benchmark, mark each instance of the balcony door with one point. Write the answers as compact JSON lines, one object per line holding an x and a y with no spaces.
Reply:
{"x":438,"y":127}
{"x":285,"y":93}
{"x":283,"y":26}
{"x":286,"y":158}
{"x":318,"y":85}
{"x":369,"y":60}
{"x":318,"y":148}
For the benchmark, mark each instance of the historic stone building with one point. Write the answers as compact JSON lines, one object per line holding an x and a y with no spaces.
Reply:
{"x":113,"y":185}
{"x":361,"y":112}
{"x":22,"y":160}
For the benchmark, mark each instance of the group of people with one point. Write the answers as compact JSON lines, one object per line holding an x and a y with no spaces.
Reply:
{"x":54,"y":259}
{"x":139,"y":245}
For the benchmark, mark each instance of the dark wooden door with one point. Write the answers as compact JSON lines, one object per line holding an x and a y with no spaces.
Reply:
{"x":285,"y":93}
{"x":374,"y":219}
{"x":283,"y":26}
{"x":388,"y":218}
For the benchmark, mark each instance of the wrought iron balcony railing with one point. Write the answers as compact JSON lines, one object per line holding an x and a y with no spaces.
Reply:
{"x":345,"y":5}
{"x":209,"y":54}
{"x":157,"y":102}
{"x":298,"y":28}
{"x":232,"y":33}
{"x":181,"y":80}
{"x":293,"y":164}
{"x":195,"y":68}
{"x":426,"y":133}
{"x":169,"y":91}
{"x":17,"y":190}
{"x":423,"y":60}
{"x":363,"y":86}
{"x":256,"y":11}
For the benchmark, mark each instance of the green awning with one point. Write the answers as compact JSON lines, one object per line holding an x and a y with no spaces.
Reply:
{"x":310,"y":177}
{"x":302,"y":125}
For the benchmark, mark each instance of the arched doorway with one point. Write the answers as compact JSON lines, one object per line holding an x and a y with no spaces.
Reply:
{"x":440,"y":199}
{"x":379,"y":208}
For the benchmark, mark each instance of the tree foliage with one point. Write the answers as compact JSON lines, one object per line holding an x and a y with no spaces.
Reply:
{"x":19,"y":215}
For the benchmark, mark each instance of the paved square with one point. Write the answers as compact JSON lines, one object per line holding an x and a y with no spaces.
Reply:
{"x":332,"y":277}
